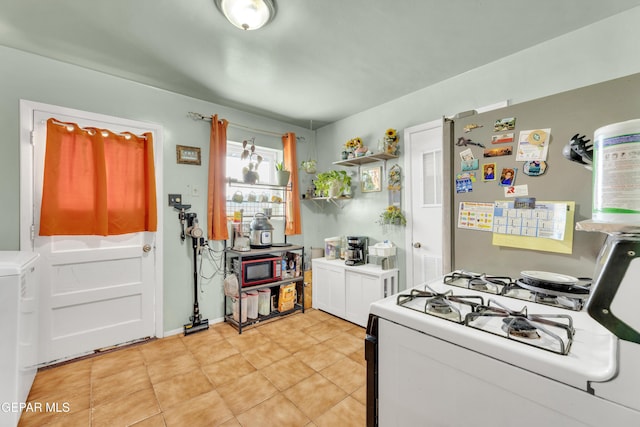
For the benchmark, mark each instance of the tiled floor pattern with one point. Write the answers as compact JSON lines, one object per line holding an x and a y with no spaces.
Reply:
{"x":303,"y":370}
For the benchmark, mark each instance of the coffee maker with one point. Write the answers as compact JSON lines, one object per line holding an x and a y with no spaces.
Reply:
{"x":356,"y":247}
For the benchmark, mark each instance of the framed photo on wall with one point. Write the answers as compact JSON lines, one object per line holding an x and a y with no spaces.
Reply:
{"x":188,"y":155}
{"x":371,"y":179}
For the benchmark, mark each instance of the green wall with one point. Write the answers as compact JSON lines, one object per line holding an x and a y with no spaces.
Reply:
{"x":35,"y":78}
{"x":600,"y":52}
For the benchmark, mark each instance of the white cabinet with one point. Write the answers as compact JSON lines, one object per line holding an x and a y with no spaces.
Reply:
{"x":348,"y":291}
{"x":328,"y":287}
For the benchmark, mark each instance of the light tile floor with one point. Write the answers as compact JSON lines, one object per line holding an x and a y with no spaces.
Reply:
{"x":303,"y":370}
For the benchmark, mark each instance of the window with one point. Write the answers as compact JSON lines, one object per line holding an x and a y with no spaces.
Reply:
{"x":267,"y":200}
{"x":266,"y":170}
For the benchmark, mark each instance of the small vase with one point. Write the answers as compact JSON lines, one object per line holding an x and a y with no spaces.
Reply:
{"x":282,"y":178}
{"x":344,"y":155}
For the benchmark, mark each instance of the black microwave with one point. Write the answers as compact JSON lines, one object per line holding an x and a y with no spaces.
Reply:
{"x":257,"y":270}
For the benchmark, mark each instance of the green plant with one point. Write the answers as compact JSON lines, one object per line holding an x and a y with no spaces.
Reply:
{"x":280,"y":166}
{"x":392,"y":215}
{"x":326,"y":180}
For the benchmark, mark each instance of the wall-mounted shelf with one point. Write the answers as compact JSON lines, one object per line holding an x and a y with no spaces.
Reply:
{"x":338,"y":201}
{"x":263,"y":198}
{"x":356,"y":161}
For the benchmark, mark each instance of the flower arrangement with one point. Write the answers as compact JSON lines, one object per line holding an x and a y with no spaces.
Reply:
{"x":391,"y":141}
{"x":392,"y":215}
{"x":353,"y":144}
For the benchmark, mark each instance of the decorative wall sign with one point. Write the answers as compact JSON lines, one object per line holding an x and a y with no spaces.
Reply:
{"x":188,"y":155}
{"x":395,"y":185}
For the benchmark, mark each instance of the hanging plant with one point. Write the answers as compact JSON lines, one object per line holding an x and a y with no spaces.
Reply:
{"x":392,"y":215}
{"x":250,"y":172}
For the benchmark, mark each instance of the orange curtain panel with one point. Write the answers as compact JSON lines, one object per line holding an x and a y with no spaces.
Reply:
{"x":293,"y":225}
{"x":216,"y":210}
{"x":97,"y":182}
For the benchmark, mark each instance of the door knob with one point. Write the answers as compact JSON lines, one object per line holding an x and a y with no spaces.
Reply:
{"x":146,"y":248}
{"x":417,"y":245}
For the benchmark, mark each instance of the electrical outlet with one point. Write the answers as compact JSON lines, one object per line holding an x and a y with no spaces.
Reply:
{"x":175,"y":199}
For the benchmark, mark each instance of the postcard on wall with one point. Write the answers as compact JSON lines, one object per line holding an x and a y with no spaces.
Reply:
{"x":475,"y":216}
{"x":533,"y":145}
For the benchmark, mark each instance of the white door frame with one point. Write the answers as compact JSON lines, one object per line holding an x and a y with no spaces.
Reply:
{"x":27,"y":109}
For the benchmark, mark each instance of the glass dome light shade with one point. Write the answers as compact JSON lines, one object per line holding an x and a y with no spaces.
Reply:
{"x":247,"y":14}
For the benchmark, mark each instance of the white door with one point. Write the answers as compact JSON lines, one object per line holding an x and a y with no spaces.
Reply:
{"x":425,"y":227}
{"x":96,"y":291}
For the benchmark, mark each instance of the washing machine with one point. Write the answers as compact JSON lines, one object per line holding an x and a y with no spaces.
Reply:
{"x":18,"y":331}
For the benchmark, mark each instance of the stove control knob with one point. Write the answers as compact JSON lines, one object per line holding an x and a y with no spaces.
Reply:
{"x":417,"y":245}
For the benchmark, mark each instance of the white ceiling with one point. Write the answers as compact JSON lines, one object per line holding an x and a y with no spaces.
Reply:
{"x":317,"y":62}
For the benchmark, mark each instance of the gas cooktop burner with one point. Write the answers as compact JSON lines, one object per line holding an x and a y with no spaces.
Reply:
{"x":445,"y":305}
{"x":519,"y":328}
{"x":551,"y":332}
{"x":541,"y":287}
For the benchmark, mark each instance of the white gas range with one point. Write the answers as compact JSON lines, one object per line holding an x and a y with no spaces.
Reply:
{"x":472,"y":349}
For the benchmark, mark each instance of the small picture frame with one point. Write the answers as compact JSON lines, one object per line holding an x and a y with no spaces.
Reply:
{"x":371,"y":179}
{"x":188,"y":155}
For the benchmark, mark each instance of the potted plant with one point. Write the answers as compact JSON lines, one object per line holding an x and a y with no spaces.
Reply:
{"x":282,"y":175}
{"x":392,"y":215}
{"x":332,"y":183}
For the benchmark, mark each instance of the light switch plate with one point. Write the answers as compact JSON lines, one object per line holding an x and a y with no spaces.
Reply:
{"x":175,"y":199}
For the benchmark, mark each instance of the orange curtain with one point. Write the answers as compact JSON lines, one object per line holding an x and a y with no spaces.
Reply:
{"x":293,"y":225}
{"x":216,"y":212}
{"x":97,"y":182}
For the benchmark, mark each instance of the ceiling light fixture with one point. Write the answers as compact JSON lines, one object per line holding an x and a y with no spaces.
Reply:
{"x":247,"y":14}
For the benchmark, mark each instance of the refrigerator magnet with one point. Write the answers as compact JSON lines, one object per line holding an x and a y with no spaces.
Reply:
{"x":534,"y":168}
{"x":469,"y":165}
{"x":489,"y":172}
{"x":507,"y":177}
